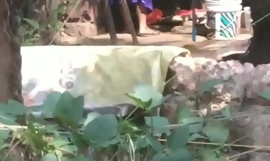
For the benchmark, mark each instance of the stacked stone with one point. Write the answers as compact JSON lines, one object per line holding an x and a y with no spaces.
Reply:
{"x":240,"y":91}
{"x":239,"y":80}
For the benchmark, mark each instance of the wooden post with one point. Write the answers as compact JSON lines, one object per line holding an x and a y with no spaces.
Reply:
{"x":111,"y":27}
{"x":128,"y":19}
{"x":194,"y":20}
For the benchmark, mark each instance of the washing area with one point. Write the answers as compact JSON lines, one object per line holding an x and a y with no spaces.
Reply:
{"x":191,"y":106}
{"x":103,"y":74}
{"x":99,"y":71}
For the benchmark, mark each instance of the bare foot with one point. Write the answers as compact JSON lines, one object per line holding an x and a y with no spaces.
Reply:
{"x":146,"y":31}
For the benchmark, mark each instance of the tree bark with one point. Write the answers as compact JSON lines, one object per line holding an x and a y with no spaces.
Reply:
{"x":259,"y":47}
{"x":10,"y":58}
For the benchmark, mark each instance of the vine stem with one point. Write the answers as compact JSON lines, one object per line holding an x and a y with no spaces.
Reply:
{"x":132,"y":148}
{"x":12,"y":148}
{"x":65,"y":22}
{"x":266,"y":148}
{"x":115,"y":154}
{"x":244,"y":153}
{"x":131,"y":113}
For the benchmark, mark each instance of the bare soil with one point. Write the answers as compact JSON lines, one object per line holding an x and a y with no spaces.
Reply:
{"x":201,"y":48}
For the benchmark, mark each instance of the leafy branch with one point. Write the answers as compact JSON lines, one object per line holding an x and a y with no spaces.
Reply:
{"x":59,"y":130}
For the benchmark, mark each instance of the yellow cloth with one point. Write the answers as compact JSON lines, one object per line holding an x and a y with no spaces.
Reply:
{"x":102,"y":73}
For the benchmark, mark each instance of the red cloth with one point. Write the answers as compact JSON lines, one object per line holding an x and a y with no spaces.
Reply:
{"x":154,"y":16}
{"x":187,"y":12}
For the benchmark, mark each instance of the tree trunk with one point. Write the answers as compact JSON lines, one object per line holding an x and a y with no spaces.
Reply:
{"x":10,"y":58}
{"x":259,"y":48}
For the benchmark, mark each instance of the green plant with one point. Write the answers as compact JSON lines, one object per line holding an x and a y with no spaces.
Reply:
{"x":61,"y":132}
{"x":31,"y":30}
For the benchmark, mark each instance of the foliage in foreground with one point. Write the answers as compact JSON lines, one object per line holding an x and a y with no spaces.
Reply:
{"x":61,"y":132}
{"x":31,"y":29}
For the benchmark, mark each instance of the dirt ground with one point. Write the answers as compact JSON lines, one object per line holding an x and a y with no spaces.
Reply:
{"x":177,"y":35}
{"x":201,"y":48}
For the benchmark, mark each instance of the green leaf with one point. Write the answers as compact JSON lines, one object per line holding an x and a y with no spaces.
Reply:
{"x":196,"y":136}
{"x":27,"y":43}
{"x":79,"y":140}
{"x":50,"y":103}
{"x":7,"y":119}
{"x":58,"y":143}
{"x":113,"y":141}
{"x":178,"y":138}
{"x":32,"y":23}
{"x":3,"y":145}
{"x":208,"y":155}
{"x":146,"y":96}
{"x":90,"y":117}
{"x":64,"y":158}
{"x":191,"y":120}
{"x":14,"y":108}
{"x":31,"y":127}
{"x":22,"y":31}
{"x":139,"y":102}
{"x":141,"y":143}
{"x":38,"y":108}
{"x":160,"y":124}
{"x":102,"y":129}
{"x":195,"y":124}
{"x":82,"y":158}
{"x":185,"y":116}
{"x":180,"y":155}
{"x":159,"y":157}
{"x":194,"y":128}
{"x":154,"y":143}
{"x":266,"y":93}
{"x":69,"y":110}
{"x":216,"y":131}
{"x":70,"y":149}
{"x":209,"y":85}
{"x":35,"y":139}
{"x":51,"y":128}
{"x":182,"y":112}
{"x":35,"y":136}
{"x":226,"y":112}
{"x":49,"y":157}
{"x":4,"y":134}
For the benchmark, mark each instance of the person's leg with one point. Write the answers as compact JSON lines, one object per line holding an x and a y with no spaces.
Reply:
{"x":141,"y":12}
{"x":126,"y":30}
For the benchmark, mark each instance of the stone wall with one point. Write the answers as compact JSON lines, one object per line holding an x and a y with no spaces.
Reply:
{"x":84,"y":20}
{"x":242,"y":89}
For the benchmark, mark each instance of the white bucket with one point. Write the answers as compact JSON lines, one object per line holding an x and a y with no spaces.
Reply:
{"x":248,"y":19}
{"x":223,"y":16}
